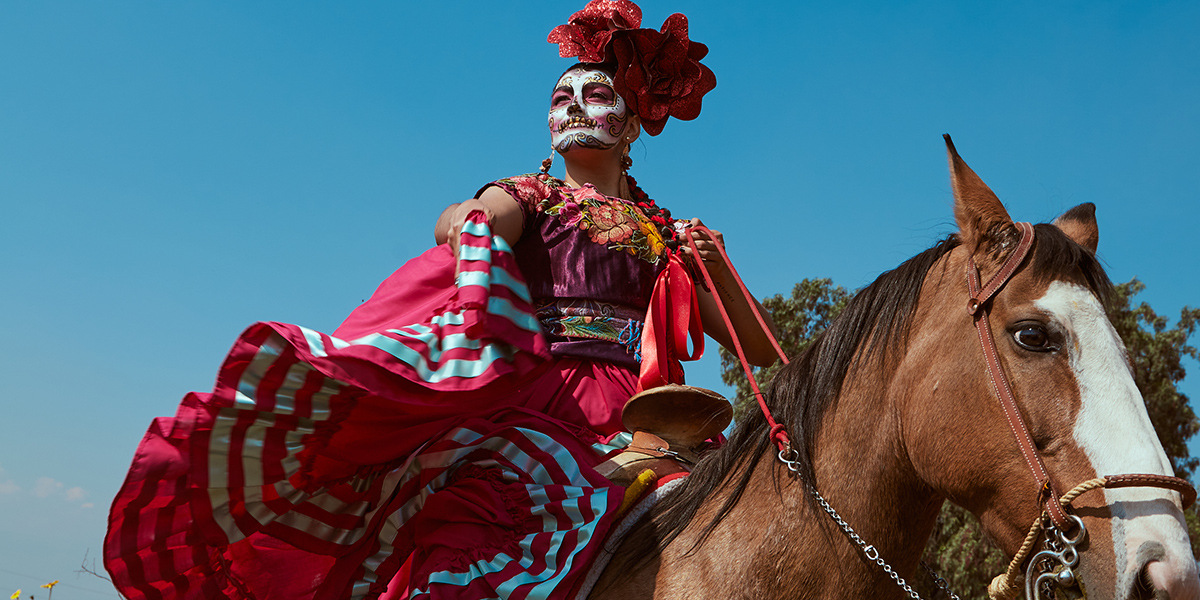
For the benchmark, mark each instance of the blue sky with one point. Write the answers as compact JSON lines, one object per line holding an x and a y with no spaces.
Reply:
{"x":172,"y":172}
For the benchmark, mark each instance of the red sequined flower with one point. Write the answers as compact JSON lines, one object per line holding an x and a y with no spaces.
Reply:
{"x":588,"y":31}
{"x":659,"y":73}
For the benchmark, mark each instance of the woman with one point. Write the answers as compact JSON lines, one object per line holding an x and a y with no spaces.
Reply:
{"x":592,"y":252}
{"x":435,"y":445}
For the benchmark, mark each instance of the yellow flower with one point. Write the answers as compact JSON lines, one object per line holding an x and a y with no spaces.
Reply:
{"x":51,"y":584}
{"x":653,"y":238}
{"x":16,"y":594}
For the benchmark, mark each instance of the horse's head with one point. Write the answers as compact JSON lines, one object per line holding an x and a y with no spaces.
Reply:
{"x":1073,"y":386}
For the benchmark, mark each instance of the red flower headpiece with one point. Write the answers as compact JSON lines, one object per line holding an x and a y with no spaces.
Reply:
{"x":658,"y":73}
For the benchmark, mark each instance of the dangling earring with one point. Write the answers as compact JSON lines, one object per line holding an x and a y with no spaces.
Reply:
{"x":626,"y":162}
{"x":548,"y":161}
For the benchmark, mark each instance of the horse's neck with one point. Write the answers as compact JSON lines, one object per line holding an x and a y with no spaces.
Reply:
{"x":864,"y":473}
{"x":776,"y":544}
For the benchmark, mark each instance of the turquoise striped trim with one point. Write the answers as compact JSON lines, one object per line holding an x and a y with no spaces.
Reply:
{"x":538,"y":495}
{"x":468,"y":369}
{"x":476,"y":228}
{"x":598,"y":505}
{"x":316,"y":347}
{"x":483,"y":230}
{"x":476,"y":570}
{"x":481,"y":279}
{"x":520,"y":318}
{"x":543,"y":583}
{"x":446,"y":318}
{"x":466,"y":252}
{"x":618,"y":442}
{"x":497,"y":276}
{"x":570,"y":467}
{"x":247,"y":388}
{"x":451,"y":368}
{"x":474,"y":253}
{"x":499,"y":245}
{"x":397,"y":348}
{"x":502,"y":277}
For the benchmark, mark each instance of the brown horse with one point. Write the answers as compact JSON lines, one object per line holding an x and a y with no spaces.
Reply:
{"x":892,"y":412}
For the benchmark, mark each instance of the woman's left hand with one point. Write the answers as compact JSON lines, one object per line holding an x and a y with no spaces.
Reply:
{"x":706,"y":247}
{"x":741,"y":314}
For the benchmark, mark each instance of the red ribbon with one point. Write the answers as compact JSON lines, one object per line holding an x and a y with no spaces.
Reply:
{"x":674,"y":314}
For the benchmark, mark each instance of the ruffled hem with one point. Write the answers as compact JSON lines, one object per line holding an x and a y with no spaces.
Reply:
{"x":299,"y":475}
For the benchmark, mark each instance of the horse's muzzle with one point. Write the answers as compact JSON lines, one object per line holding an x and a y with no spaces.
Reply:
{"x":1164,"y":576}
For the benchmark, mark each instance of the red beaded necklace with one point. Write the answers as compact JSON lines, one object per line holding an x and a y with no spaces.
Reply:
{"x":658,"y":215}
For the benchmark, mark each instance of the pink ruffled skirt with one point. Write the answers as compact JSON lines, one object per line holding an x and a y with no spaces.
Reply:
{"x":430,"y":447}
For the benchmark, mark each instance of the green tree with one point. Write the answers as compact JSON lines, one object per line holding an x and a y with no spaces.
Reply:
{"x":959,"y":549}
{"x":1156,"y":354}
{"x":800,"y":318}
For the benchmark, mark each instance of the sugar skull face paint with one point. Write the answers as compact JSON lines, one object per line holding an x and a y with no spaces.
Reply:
{"x":585,"y":111}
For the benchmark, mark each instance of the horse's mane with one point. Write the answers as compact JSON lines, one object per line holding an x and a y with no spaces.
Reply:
{"x":875,"y":321}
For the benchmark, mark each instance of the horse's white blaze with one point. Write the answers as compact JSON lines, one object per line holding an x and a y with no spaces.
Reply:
{"x":1115,"y":433}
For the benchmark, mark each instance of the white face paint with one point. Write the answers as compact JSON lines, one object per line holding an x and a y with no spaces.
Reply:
{"x":585,"y":111}
{"x":1115,"y":433}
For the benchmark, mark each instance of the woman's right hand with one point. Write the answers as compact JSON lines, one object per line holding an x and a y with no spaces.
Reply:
{"x":450,"y":223}
{"x":503,"y":214}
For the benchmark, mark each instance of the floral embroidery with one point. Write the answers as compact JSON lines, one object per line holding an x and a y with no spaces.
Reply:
{"x":590,"y":319}
{"x":570,"y":213}
{"x":653,"y":238}
{"x":610,"y":225}
{"x":614,"y":223}
{"x":530,"y":187}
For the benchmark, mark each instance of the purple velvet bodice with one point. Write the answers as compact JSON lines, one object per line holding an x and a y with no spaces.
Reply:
{"x":581,"y":248}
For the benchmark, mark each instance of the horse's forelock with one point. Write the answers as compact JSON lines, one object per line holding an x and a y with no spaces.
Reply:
{"x":1055,"y":256}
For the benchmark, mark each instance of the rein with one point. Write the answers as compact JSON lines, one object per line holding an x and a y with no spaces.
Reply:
{"x":1054,"y":519}
{"x":778,"y":433}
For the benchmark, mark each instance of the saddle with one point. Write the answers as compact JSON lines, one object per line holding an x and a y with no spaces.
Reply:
{"x":671,"y":425}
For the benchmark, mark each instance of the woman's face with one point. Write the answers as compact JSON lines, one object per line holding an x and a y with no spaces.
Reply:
{"x":586,"y":112}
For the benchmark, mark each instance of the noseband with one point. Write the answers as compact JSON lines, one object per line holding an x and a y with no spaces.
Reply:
{"x":1062,"y":530}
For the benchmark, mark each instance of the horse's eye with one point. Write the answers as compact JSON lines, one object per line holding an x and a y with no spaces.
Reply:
{"x":1033,"y":337}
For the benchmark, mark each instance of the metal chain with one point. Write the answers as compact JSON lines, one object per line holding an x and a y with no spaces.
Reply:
{"x":939,"y":581}
{"x":868,"y":550}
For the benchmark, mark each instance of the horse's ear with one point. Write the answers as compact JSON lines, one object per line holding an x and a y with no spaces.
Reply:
{"x":979,"y":213}
{"x":1079,"y":224}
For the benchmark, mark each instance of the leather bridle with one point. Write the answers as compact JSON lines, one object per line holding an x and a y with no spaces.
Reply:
{"x":979,"y":307}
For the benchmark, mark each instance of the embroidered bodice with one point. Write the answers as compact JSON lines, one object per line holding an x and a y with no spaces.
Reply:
{"x":590,"y":261}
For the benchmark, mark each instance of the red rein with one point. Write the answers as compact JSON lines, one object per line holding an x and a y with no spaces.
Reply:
{"x":778,"y":433}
